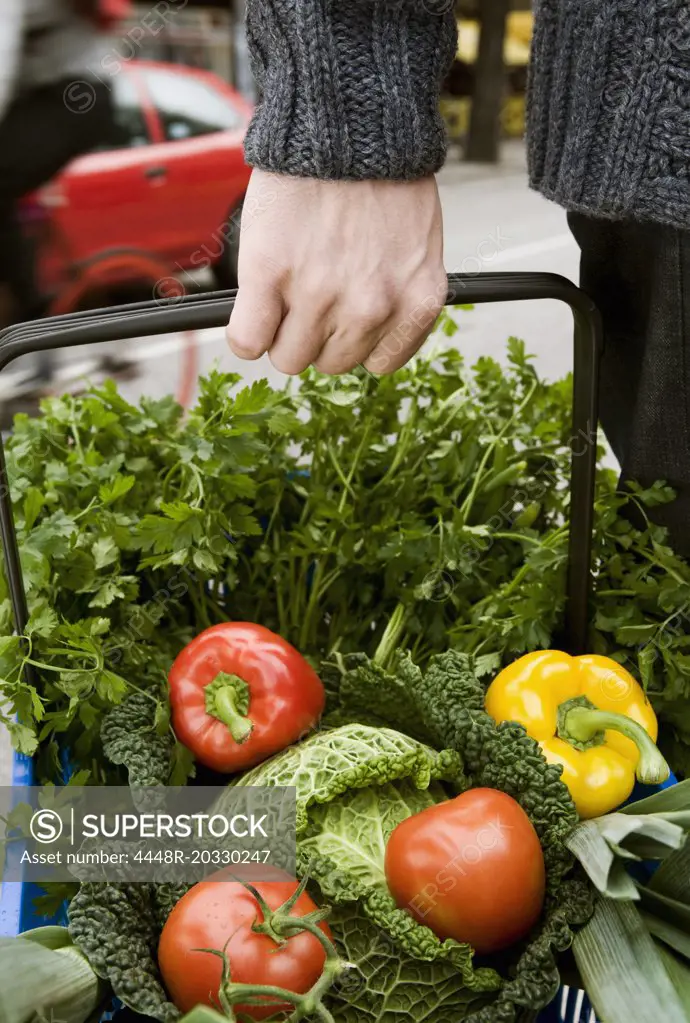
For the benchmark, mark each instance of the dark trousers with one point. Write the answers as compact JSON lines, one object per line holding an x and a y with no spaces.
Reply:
{"x":639,"y":276}
{"x":40,"y":133}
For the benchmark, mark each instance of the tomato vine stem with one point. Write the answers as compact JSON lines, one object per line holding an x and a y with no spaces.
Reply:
{"x":280,"y":926}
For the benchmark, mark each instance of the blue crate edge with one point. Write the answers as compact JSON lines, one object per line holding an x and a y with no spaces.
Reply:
{"x":17,"y":909}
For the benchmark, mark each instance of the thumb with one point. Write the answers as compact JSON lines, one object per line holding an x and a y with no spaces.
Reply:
{"x":254,"y":321}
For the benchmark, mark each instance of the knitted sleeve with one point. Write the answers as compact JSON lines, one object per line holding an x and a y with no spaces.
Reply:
{"x":349,"y":88}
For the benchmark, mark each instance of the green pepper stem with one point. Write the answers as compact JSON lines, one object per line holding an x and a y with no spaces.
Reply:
{"x":226,"y":711}
{"x":227,"y":698}
{"x":582,"y":723}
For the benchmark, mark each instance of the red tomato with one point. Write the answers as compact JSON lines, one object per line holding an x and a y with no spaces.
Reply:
{"x":213,"y":912}
{"x":239,"y":693}
{"x":471,"y":869}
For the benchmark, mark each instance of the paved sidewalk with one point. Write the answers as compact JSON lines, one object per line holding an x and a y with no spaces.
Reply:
{"x":494,"y":222}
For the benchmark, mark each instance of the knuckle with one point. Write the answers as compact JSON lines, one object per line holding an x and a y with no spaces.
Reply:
{"x":369,"y":312}
{"x":358,"y":325}
{"x":425,"y":303}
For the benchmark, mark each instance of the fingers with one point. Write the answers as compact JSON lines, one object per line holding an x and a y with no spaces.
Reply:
{"x":304,"y":331}
{"x":403,"y":339}
{"x":255,"y":320}
{"x":360,"y":325}
{"x":335,"y":336}
{"x":384,"y":335}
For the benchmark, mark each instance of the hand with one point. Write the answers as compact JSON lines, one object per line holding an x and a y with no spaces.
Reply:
{"x":336,"y":273}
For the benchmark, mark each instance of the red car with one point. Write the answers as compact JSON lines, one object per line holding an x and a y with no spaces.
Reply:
{"x":167,"y":201}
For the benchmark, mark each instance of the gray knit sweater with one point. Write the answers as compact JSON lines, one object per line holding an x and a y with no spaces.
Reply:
{"x":350,"y":90}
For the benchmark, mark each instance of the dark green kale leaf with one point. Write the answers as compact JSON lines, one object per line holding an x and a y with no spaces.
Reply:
{"x":117,"y":927}
{"x":358,"y":689}
{"x":130,"y":739}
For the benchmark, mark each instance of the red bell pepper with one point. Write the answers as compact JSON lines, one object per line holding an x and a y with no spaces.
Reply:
{"x":239,"y":693}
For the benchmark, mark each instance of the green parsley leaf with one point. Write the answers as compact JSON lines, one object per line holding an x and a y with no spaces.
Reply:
{"x":117,"y":488}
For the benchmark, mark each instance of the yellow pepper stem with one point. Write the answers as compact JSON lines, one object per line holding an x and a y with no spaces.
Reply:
{"x":583,"y":725}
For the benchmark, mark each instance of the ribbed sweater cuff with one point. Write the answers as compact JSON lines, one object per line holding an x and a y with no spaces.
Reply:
{"x":349,"y":88}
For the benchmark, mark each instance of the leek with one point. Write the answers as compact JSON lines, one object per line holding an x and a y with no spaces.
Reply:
{"x":622,"y":968}
{"x":45,"y":976}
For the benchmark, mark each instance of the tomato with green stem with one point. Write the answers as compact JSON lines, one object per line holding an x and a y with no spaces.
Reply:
{"x":240,"y":693}
{"x":471,"y":869}
{"x":256,"y":949}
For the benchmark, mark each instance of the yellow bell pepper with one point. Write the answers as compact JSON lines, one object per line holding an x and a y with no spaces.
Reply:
{"x":589,"y":716}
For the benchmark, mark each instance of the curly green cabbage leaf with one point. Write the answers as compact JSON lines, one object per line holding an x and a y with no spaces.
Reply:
{"x":352,"y":757}
{"x":443,"y":707}
{"x":383,"y":985}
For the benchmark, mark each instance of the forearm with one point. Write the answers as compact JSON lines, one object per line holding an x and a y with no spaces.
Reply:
{"x":350,"y":87}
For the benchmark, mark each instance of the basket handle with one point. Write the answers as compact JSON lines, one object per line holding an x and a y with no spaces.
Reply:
{"x":196,"y":312}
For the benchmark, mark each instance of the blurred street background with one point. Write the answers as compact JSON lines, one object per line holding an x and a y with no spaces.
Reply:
{"x":160,"y":214}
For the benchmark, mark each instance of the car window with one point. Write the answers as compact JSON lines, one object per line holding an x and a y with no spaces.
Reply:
{"x":187,"y":107}
{"x":131,"y":127}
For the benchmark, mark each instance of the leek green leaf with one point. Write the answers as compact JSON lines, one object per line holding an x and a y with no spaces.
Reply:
{"x":679,"y":973}
{"x":673,"y":876}
{"x":675,"y":937}
{"x":622,"y":969}
{"x":670,"y":800}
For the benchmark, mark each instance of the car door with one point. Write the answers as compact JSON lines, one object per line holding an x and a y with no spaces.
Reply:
{"x":102,"y":201}
{"x":201,"y":128}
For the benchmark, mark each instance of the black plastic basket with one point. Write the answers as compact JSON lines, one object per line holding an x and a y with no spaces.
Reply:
{"x":213,"y":310}
{"x":201,"y":311}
